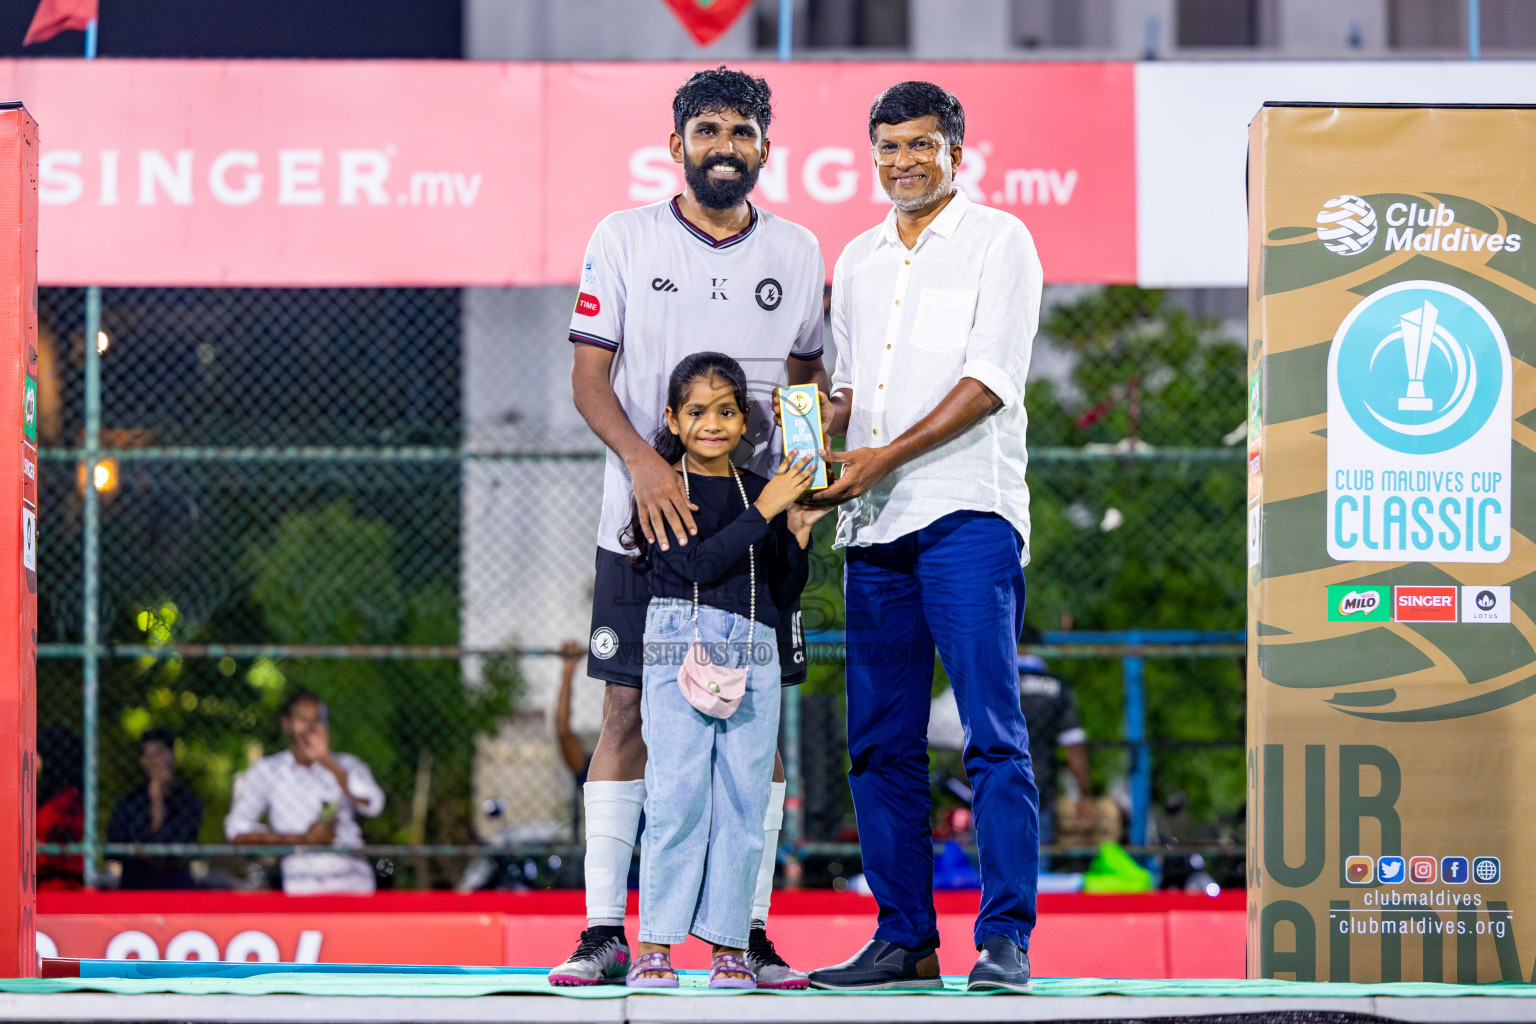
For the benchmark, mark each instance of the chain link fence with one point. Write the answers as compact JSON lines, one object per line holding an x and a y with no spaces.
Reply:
{"x":384,"y":497}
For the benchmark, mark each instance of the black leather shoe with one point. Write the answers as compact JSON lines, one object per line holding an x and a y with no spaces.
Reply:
{"x":1002,"y":967}
{"x":883,"y":964}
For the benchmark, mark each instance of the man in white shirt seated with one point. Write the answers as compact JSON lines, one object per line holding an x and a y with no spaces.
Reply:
{"x":308,"y":795}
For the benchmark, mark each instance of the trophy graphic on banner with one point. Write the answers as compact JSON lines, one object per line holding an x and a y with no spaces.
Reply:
{"x":1418,"y":334}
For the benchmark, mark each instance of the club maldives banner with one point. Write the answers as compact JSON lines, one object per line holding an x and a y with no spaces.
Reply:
{"x":473,"y":173}
{"x":1392,"y":578}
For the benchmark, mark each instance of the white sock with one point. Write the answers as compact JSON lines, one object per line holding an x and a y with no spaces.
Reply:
{"x":773,"y":821}
{"x":613,"y":819}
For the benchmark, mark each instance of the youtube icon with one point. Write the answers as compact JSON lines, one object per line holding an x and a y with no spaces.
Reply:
{"x":1424,"y":604}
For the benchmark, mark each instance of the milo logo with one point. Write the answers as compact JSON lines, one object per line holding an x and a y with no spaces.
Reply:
{"x":1348,"y":603}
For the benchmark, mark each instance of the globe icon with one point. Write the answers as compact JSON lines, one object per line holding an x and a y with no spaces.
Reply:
{"x":1346,"y":225}
{"x":1486,"y":869}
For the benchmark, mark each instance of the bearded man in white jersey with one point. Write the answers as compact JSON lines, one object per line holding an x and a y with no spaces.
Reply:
{"x":705,"y":271}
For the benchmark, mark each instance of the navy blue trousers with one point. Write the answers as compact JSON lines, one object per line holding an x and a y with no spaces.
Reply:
{"x":955,"y":585}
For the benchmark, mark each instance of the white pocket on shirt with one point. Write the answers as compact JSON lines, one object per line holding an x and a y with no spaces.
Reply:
{"x":944,"y":318}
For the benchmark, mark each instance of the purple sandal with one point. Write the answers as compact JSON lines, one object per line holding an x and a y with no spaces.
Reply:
{"x":728,"y":962}
{"x":651,"y":962}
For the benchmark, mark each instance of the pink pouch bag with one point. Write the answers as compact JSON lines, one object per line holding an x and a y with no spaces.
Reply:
{"x":716,"y":690}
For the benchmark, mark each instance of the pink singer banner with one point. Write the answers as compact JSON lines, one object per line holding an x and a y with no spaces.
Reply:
{"x":285,"y":173}
{"x":473,"y":173}
{"x":1051,"y":143}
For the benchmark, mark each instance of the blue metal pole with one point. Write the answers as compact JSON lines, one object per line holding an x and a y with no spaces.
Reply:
{"x":90,"y":629}
{"x":91,"y":579}
{"x":1474,"y":30}
{"x":1135,"y":695}
{"x":786,"y":29}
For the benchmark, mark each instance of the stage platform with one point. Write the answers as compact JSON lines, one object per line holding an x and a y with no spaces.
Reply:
{"x":247,"y":993}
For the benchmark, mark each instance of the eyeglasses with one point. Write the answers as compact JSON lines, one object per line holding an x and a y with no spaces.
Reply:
{"x":921,"y":151}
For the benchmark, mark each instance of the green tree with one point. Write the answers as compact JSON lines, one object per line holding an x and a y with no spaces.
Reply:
{"x":1135,"y":543}
{"x":328,"y":577}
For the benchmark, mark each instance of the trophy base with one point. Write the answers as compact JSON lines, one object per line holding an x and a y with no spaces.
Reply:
{"x":1415,"y":404}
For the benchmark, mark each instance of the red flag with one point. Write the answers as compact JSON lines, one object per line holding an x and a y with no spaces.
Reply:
{"x":55,"y":16}
{"x":705,"y":20}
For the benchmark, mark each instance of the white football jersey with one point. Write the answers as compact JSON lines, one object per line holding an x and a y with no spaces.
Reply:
{"x":654,"y":289}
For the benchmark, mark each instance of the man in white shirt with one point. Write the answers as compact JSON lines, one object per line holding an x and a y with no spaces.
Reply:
{"x":934,"y":313}
{"x":705,"y":271}
{"x":309,"y":795}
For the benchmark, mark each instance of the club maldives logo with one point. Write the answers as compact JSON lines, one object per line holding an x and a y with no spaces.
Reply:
{"x":1347,"y":225}
{"x":1420,"y":366}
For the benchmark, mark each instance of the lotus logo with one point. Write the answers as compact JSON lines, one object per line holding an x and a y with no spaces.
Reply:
{"x":1359,"y":602}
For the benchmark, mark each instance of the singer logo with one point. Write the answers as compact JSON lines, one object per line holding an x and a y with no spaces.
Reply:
{"x":1424,"y":604}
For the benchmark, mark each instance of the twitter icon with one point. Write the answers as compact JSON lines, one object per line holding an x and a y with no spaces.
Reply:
{"x":1389,"y":870}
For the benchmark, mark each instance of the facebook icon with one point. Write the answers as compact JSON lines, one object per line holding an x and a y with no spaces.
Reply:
{"x":1453,"y":870}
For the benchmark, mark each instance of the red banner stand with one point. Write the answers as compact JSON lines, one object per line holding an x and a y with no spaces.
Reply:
{"x":18,"y":542}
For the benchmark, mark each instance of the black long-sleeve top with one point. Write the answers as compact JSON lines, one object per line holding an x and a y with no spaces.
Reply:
{"x":130,"y":823}
{"x":716,"y":558}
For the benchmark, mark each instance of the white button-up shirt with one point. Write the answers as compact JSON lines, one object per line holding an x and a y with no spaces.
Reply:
{"x":291,"y":796}
{"x":908,"y":325}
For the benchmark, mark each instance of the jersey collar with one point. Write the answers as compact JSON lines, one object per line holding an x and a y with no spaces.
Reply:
{"x":709,"y":240}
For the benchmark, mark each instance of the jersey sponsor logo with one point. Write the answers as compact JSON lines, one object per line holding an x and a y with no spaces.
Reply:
{"x":1424,"y":604}
{"x":717,"y":288}
{"x":769,"y":293}
{"x":662,"y":284}
{"x":605,"y":643}
{"x":589,"y":272}
{"x":587,"y":305}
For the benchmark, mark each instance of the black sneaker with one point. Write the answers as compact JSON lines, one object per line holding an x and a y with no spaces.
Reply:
{"x":601,"y":958}
{"x":1002,"y":967}
{"x":882,"y":964}
{"x":771,"y":969}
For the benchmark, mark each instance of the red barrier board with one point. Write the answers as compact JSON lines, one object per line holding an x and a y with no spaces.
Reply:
{"x":305,"y":938}
{"x":18,"y":536}
{"x":211,"y":173}
{"x":1154,"y":935}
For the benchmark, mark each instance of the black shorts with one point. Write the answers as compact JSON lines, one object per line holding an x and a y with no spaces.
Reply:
{"x":616,"y":653}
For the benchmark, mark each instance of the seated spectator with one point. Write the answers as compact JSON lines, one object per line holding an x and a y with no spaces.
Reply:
{"x":162,"y":810}
{"x":1050,"y":713}
{"x":60,"y":807}
{"x":309,"y":796}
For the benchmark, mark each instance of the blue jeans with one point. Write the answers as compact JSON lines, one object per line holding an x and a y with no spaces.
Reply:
{"x":706,"y":781}
{"x":957,"y":585}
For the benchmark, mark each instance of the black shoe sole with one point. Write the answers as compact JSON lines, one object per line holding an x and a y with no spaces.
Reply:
{"x":985,"y":985}
{"x":862,"y":986}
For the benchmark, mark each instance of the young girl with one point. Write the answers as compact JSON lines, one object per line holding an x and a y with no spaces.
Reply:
{"x":707,"y":778}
